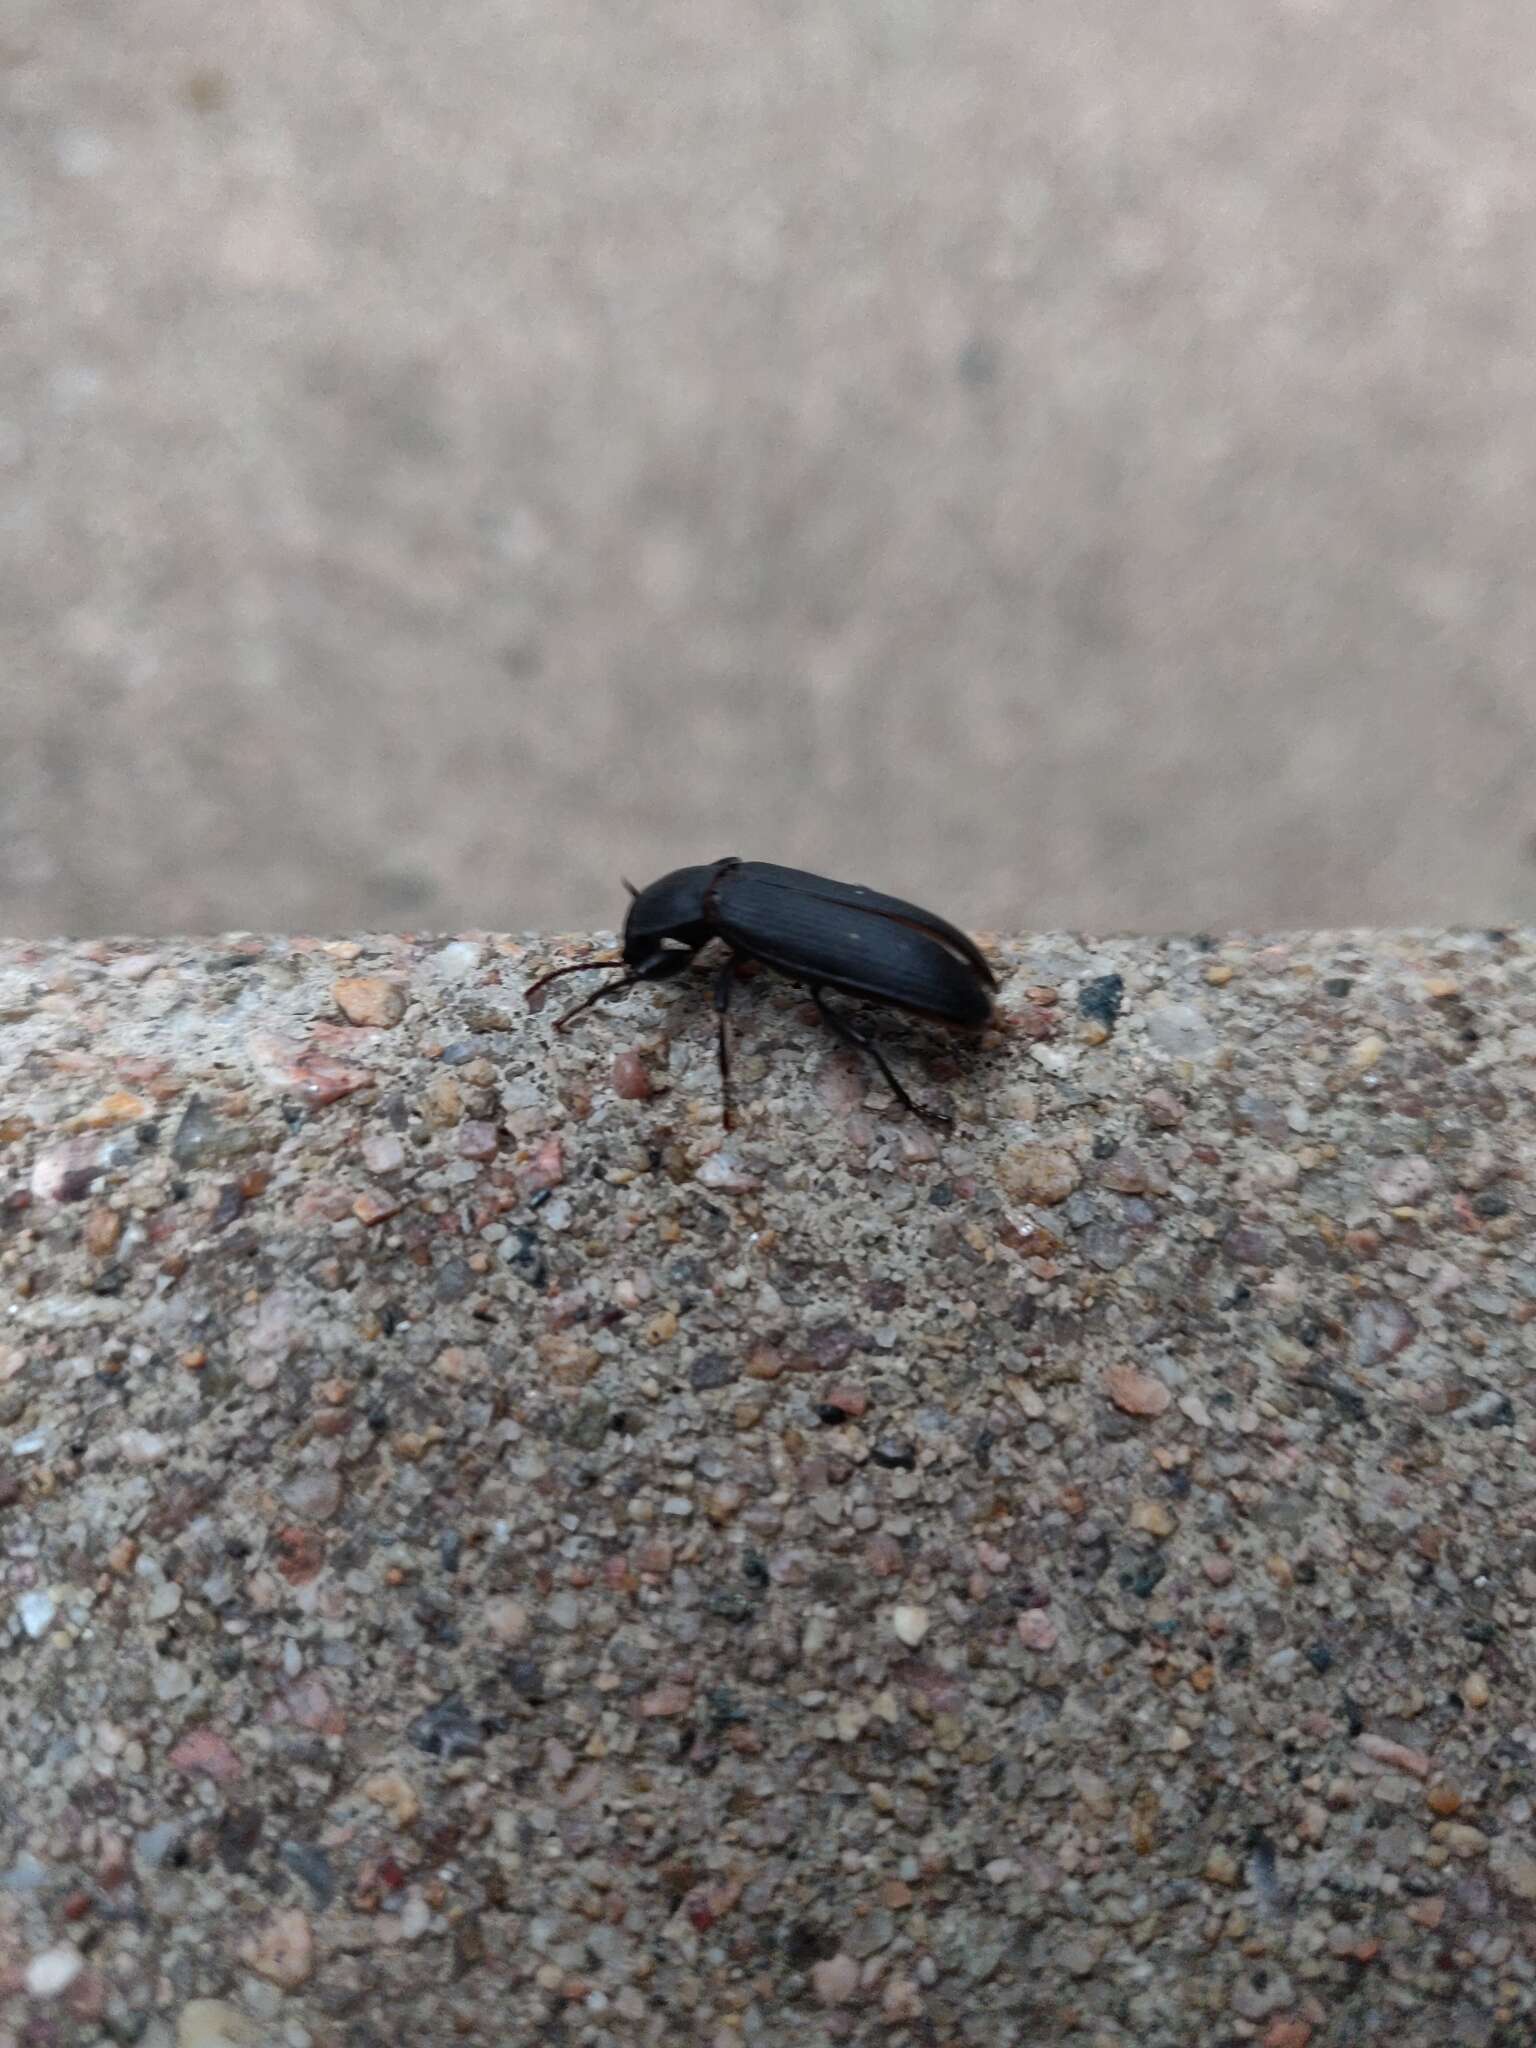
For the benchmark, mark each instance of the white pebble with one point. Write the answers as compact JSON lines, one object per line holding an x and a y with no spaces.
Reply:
{"x":141,"y":1446}
{"x":163,"y":1601}
{"x":724,"y":1170}
{"x":910,"y":1625}
{"x":564,"y":1610}
{"x":37,"y":1611}
{"x":383,"y":1153}
{"x":171,"y":1681}
{"x":54,"y":1971}
{"x":458,"y":958}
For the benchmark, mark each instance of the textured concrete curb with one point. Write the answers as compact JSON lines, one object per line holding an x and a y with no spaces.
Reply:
{"x":484,"y":1559}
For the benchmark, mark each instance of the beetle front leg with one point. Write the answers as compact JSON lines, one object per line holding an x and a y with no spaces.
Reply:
{"x":725,"y":981}
{"x":850,"y":1034}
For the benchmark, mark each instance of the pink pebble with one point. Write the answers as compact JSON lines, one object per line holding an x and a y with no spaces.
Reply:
{"x":477,"y":1141}
{"x":202,"y":1753}
{"x":631,"y":1082}
{"x":1036,"y":1629}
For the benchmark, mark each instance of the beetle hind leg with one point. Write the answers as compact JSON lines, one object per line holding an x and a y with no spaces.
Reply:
{"x":851,"y":1034}
{"x":725,"y":981}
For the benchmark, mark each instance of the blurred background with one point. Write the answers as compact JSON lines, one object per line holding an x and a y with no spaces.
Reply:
{"x":1069,"y":463}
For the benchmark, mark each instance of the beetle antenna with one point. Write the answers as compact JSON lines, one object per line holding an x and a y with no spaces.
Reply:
{"x":629,"y":885}
{"x":609,"y":988}
{"x":554,"y":974}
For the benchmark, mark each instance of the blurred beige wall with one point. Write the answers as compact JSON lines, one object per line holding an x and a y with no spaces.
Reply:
{"x":1069,"y":463}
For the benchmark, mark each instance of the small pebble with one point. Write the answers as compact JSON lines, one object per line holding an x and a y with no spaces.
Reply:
{"x":312,"y":1077}
{"x":1288,"y":2033}
{"x":313,"y":1496}
{"x":1396,"y":1756}
{"x":836,"y":1980}
{"x":163,"y":1602}
{"x":847,"y":1401}
{"x":395,"y":1794}
{"x":1405,"y":1181}
{"x":141,"y":1446}
{"x":1044,"y":1175}
{"x":103,"y":1229}
{"x":631,"y":1082}
{"x":910,"y":1625}
{"x":370,"y":999}
{"x":1460,"y":1838}
{"x":1101,"y":999}
{"x":1260,"y":1991}
{"x":477,"y":1140}
{"x":1162,"y":1110}
{"x":383,"y":1152}
{"x":1514,"y":1867}
{"x":415,"y":1918}
{"x":212,"y":2023}
{"x":205,"y":1753}
{"x":283,"y":1951}
{"x":67,"y":1172}
{"x":547,"y":1167}
{"x":1036,"y":1630}
{"x":50,"y":1974}
{"x":725,"y":1171}
{"x":506,"y":1620}
{"x":1126,"y":1172}
{"x":1137,"y":1392}
{"x":442,"y":1102}
{"x":1180,"y":1031}
{"x":1153,"y":1518}
{"x":666,"y":1702}
{"x":37,"y":1611}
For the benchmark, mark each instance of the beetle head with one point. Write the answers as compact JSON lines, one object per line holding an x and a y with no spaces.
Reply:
{"x":668,"y":923}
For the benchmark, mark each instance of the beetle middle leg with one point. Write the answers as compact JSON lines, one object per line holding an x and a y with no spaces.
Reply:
{"x":851,"y":1034}
{"x":725,"y":981}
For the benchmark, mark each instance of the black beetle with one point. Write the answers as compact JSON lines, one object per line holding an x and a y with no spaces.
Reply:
{"x":821,"y":933}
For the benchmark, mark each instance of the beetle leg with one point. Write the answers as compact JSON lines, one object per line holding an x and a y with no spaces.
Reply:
{"x":725,"y":981}
{"x":861,"y":1041}
{"x":609,"y":988}
{"x":577,"y":967}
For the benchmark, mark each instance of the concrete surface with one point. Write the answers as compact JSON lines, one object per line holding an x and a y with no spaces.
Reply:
{"x":484,"y":1561}
{"x":1074,"y":457}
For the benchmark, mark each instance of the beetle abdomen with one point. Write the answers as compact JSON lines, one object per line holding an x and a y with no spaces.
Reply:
{"x":838,"y":935}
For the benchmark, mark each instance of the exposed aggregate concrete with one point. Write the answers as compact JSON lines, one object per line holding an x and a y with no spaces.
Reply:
{"x":484,"y":1557}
